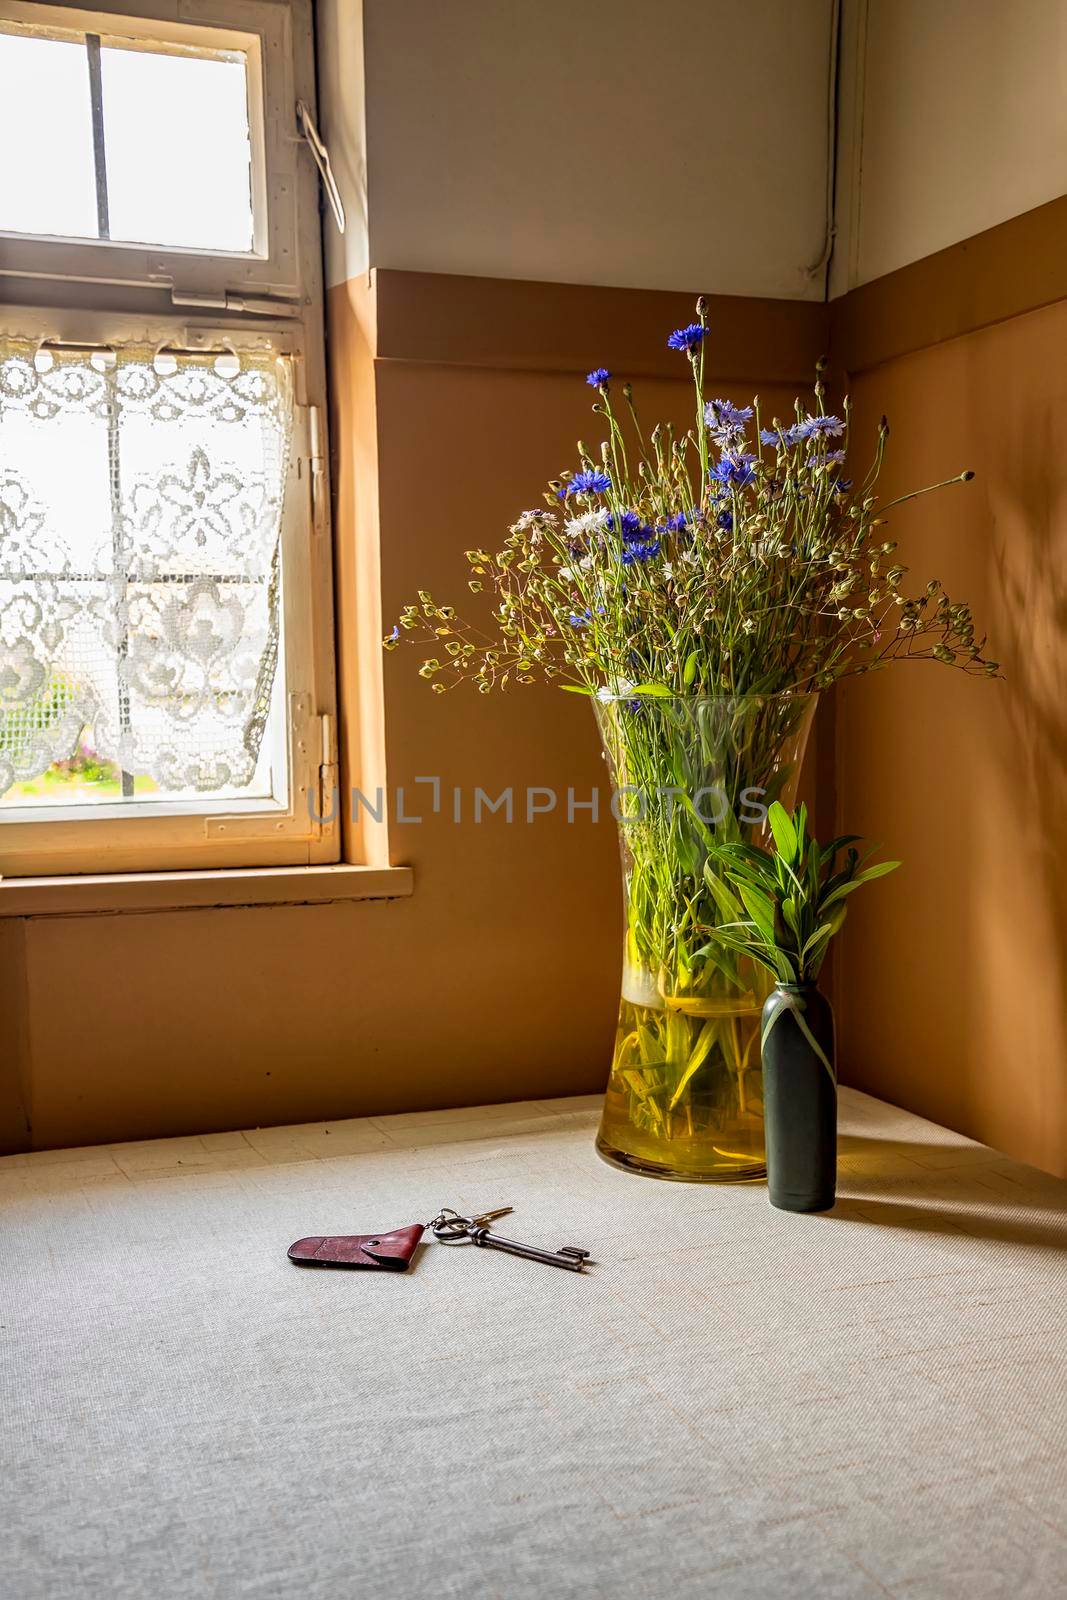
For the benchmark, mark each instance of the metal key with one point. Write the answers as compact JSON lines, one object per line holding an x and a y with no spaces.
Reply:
{"x":450,"y":1228}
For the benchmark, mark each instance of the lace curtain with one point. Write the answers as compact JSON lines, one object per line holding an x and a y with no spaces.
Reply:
{"x":140,"y":516}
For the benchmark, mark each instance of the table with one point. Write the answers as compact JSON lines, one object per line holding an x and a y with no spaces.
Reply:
{"x":732,"y":1402}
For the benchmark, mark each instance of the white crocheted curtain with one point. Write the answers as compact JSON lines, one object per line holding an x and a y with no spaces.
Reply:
{"x":140,"y":516}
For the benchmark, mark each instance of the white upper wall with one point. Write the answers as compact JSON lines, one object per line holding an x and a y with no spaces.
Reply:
{"x":659,"y":144}
{"x":954,"y":118}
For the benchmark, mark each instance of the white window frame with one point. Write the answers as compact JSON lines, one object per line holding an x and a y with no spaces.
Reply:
{"x":273,"y":267}
{"x":96,"y":292}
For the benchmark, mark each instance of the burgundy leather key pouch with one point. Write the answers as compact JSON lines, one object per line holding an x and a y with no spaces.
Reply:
{"x":369,"y":1252}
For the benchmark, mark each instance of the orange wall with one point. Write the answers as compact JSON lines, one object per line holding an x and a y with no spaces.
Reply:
{"x":952,"y":975}
{"x":497,"y":979}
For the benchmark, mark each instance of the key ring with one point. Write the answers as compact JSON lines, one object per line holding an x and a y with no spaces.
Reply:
{"x":450,"y":1228}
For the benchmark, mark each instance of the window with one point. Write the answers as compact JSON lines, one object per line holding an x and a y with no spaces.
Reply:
{"x":124,"y":160}
{"x":166,"y":684}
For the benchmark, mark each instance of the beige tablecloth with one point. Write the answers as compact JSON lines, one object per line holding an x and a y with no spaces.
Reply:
{"x":732,"y":1403}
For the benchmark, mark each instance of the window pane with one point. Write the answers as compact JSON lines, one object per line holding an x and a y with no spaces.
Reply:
{"x":139,"y":586}
{"x":47,"y":181}
{"x":178,"y":150}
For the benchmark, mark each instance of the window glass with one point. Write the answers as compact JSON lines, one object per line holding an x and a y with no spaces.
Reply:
{"x":47,"y":182}
{"x":175,"y":167}
{"x":177,"y":146}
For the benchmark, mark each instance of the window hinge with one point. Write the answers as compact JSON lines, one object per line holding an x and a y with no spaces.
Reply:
{"x":317,"y":472}
{"x":327,"y":769}
{"x":321,"y":156}
{"x":263,"y":305}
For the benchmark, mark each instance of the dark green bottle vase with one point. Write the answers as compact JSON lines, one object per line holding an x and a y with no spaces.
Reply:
{"x":800,"y":1098}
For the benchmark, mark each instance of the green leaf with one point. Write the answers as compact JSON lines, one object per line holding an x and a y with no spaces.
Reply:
{"x":705,"y":1040}
{"x":760,"y":909}
{"x":831,"y":850}
{"x":842,"y":889}
{"x":822,"y":935}
{"x":649,"y":1046}
{"x":576,"y":688}
{"x":878,"y":871}
{"x":689,"y":671}
{"x":783,"y":967}
{"x":775,"y":963}
{"x":724,"y":898}
{"x":699,"y":826}
{"x":757,"y":860}
{"x":718,"y":955}
{"x":657,"y":690}
{"x":785,"y":835}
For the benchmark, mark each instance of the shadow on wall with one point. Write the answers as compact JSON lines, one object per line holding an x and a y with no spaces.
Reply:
{"x":954,"y":985}
{"x":1029,"y":559}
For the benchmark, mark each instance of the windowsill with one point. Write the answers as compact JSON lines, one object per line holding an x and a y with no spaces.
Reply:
{"x":177,"y":891}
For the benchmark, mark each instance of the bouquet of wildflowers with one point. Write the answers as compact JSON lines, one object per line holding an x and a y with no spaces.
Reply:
{"x":701,"y":588}
{"x":737,"y":559}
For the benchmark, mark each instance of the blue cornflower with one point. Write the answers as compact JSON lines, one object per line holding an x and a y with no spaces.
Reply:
{"x":582,"y":621}
{"x":676,"y":523}
{"x":829,"y":456}
{"x":686,"y":338}
{"x":629,"y":524}
{"x":598,"y":377}
{"x":643,"y":550}
{"x":733,"y":471}
{"x":725,"y":521}
{"x":640,"y":534}
{"x":807,"y":428}
{"x":591,"y":481}
{"x":843,"y":485}
{"x":726,"y":419}
{"x":783,"y":438}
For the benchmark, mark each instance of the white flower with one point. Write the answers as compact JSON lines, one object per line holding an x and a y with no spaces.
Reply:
{"x":667,"y":570}
{"x":748,"y":626}
{"x":530,"y":519}
{"x":589,"y":522}
{"x":622,"y":687}
{"x":566,"y":574}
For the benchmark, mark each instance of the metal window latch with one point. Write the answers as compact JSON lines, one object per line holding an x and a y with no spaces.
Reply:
{"x":310,"y":132}
{"x":259,"y":305}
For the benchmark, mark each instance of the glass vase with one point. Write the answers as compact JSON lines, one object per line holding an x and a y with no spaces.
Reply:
{"x":685,"y":1097}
